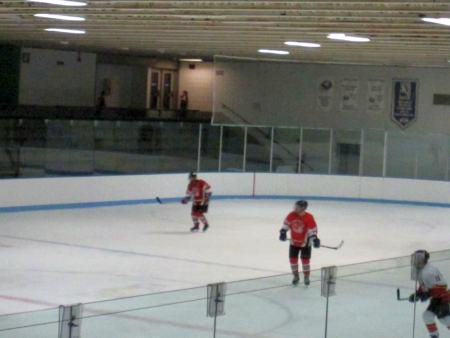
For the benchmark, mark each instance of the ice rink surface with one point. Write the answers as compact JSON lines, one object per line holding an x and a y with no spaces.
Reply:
{"x":84,"y":255}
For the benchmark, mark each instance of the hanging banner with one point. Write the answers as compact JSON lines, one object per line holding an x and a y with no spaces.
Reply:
{"x":325,"y":94}
{"x":404,"y":102}
{"x":375,"y":96}
{"x":349,"y":95}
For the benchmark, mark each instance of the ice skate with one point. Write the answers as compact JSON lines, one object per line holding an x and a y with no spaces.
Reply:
{"x":296,"y":279}
{"x":195,"y":228}
{"x":205,"y":227}
{"x":306,"y":281}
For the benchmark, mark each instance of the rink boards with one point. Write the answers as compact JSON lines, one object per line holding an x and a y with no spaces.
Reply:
{"x":81,"y":192}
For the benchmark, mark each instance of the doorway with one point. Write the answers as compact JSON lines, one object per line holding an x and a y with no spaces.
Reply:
{"x":161,"y":93}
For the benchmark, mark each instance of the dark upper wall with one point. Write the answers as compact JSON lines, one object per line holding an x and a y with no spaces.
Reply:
{"x":9,"y":75}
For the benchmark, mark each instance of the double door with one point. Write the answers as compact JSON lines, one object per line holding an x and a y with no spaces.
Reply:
{"x":161,"y":91}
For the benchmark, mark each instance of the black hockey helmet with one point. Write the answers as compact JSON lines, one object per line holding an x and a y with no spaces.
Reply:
{"x":302,"y":204}
{"x":192,"y":175}
{"x":420,"y":258}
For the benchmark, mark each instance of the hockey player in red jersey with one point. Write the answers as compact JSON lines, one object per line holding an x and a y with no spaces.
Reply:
{"x":303,"y":235}
{"x":201,"y":193}
{"x":433,"y":286}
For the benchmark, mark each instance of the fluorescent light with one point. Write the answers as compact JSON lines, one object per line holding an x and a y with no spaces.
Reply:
{"x":302,"y":44}
{"x":272,"y":51}
{"x":60,"y":17}
{"x":440,"y":21}
{"x":191,"y":60}
{"x":347,"y":38}
{"x":60,"y":2}
{"x":62,"y":30}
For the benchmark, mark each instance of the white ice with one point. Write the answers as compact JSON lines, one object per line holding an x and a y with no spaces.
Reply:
{"x":86,"y":255}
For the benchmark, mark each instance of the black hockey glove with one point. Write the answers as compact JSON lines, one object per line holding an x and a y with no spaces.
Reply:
{"x":314,"y":241}
{"x":419,"y":295}
{"x":283,"y":236}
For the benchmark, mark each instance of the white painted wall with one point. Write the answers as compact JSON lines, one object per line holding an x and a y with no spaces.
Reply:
{"x":199,"y":84}
{"x":50,"y":191}
{"x":285,"y":94}
{"x":44,"y":82}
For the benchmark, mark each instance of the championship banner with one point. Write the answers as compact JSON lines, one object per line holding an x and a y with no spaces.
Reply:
{"x":404,"y":102}
{"x":325,"y":94}
{"x":375,"y":96}
{"x":349,"y":95}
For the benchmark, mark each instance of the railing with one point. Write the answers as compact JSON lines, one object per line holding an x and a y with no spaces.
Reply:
{"x":44,"y":147}
{"x":365,"y":305}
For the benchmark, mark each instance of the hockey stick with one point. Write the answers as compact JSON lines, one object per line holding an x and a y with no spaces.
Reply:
{"x":328,"y":247}
{"x":333,"y":247}
{"x":398,"y":296}
{"x":161,"y":202}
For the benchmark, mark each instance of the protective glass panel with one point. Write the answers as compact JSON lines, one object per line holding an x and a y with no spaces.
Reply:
{"x":69,"y":148}
{"x":286,"y":147}
{"x":258,"y":149}
{"x":346,"y":152}
{"x":31,"y":136}
{"x":9,"y":149}
{"x":166,"y":315}
{"x":209,"y":155}
{"x":402,"y":155}
{"x":178,"y":148}
{"x":233,"y":149}
{"x":273,"y":307}
{"x":373,"y":152}
{"x":432,"y":155}
{"x":116,"y":148}
{"x":35,"y":324}
{"x":315,"y":151}
{"x":370,"y":298}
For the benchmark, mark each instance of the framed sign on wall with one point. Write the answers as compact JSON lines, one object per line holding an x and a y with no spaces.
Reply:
{"x":404,"y":102}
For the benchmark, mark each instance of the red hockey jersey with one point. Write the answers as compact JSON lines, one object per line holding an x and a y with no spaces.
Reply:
{"x":198,"y":189}
{"x":302,"y":227}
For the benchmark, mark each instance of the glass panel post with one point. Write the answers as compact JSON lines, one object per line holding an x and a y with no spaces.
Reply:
{"x":220,"y":148}
{"x":271,"y":148}
{"x":385,"y":153}
{"x":199,"y":152}
{"x":245,"y":148}
{"x":361,"y":154}
{"x":300,"y":149}
{"x":330,"y":158}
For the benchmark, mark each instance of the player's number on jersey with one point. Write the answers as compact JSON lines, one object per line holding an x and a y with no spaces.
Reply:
{"x":438,"y":279}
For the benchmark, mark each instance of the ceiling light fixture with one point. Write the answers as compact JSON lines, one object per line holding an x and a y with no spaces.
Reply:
{"x":344,"y":37}
{"x":61,"y":2}
{"x":440,"y":21}
{"x":191,"y":60}
{"x":302,"y":44}
{"x":60,"y":17}
{"x":63,"y":30}
{"x":272,"y":51}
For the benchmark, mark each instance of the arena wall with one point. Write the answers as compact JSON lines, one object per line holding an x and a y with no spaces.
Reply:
{"x":103,"y":191}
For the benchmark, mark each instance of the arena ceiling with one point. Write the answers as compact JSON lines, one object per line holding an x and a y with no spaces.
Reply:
{"x":202,"y":29}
